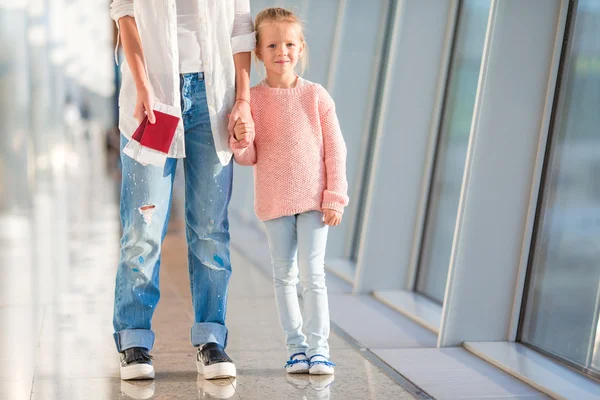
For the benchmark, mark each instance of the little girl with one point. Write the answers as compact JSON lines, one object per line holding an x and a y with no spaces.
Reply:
{"x":299,"y":159}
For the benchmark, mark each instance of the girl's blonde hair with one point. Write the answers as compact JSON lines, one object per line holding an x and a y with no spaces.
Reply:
{"x":281,"y":15}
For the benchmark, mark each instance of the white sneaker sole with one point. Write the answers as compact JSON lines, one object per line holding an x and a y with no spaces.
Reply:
{"x":321,"y":369}
{"x":216,"y":371}
{"x":298,"y":369}
{"x":137,"y":371}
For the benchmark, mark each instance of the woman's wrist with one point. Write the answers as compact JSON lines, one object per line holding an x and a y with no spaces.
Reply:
{"x":242,"y":99}
{"x":142,"y":85}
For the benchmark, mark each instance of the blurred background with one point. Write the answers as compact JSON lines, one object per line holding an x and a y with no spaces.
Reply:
{"x":473,"y":135}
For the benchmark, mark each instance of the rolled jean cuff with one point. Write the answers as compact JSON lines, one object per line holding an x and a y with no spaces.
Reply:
{"x":208,"y":332}
{"x":128,"y":338}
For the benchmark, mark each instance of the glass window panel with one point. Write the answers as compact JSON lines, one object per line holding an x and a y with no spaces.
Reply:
{"x":357,"y":57}
{"x":452,"y":148}
{"x":563,"y":297}
{"x":320,"y":19}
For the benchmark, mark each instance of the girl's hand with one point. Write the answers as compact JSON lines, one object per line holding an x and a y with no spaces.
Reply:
{"x":143,"y":105}
{"x":240,"y":110}
{"x":243,"y":131}
{"x":332,"y":217}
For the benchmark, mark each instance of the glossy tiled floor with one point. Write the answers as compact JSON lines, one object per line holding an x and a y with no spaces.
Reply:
{"x":57,"y":266}
{"x":406,"y":347}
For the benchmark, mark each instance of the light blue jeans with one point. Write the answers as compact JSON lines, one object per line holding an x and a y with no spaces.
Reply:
{"x":145,"y":205}
{"x":297,"y":246}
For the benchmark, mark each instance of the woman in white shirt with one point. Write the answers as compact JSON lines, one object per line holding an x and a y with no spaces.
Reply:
{"x":191,"y":57}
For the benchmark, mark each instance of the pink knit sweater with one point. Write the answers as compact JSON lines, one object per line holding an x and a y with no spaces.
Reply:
{"x":298,"y":153}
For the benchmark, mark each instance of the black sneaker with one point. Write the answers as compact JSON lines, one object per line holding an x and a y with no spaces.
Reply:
{"x":136,"y":363}
{"x":213,"y":362}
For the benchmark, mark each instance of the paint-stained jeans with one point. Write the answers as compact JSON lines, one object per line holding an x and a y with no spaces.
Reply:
{"x":145,"y":204}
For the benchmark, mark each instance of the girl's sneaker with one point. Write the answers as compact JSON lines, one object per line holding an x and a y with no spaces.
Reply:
{"x":297,"y":364}
{"x":320,"y":365}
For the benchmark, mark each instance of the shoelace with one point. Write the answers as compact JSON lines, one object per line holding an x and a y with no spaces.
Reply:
{"x":292,"y":362}
{"x":324,"y":362}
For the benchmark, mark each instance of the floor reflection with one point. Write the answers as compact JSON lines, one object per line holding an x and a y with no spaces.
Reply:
{"x":305,"y":386}
{"x":138,"y":389}
{"x":311,"y":386}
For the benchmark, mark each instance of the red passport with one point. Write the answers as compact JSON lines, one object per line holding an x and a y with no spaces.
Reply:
{"x":159,"y":135}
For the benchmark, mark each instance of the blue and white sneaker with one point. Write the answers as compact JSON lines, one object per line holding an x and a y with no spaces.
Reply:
{"x":297,"y":364}
{"x":320,"y":365}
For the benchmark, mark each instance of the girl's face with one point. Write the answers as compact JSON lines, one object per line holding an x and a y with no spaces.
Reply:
{"x":280,"y":47}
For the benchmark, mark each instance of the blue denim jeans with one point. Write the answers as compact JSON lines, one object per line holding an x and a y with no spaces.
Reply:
{"x":145,"y":205}
{"x":297,"y":245}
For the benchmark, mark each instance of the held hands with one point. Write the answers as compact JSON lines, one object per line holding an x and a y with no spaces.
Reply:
{"x":143,"y":105}
{"x":332,"y":217}
{"x":241,"y":124}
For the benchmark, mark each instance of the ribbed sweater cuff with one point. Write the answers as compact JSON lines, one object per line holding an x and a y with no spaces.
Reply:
{"x":334,"y":200}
